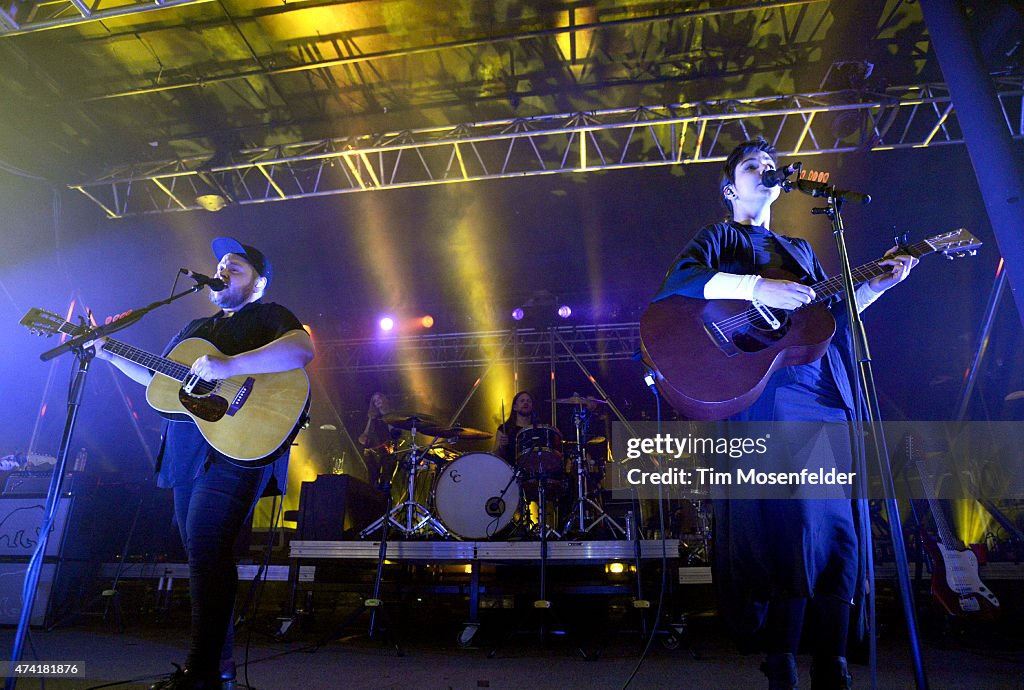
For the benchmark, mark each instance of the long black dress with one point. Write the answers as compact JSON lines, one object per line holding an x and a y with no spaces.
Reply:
{"x":778,"y":549}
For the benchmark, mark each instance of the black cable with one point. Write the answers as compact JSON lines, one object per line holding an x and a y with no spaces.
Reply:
{"x":664,"y":560}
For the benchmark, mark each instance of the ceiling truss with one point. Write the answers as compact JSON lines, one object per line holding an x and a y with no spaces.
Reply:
{"x":590,"y":343}
{"x":18,"y":18}
{"x":915,"y":116}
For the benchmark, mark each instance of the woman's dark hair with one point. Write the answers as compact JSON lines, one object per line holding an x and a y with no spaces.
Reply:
{"x":729,"y":167}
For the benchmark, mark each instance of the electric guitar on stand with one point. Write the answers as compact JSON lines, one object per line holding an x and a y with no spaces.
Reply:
{"x":712,"y":358}
{"x":956,"y":584}
{"x":249,"y":419}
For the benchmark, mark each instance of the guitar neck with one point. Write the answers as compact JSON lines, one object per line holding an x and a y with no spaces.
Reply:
{"x":834,"y":285}
{"x":946,"y":536}
{"x":161,"y":365}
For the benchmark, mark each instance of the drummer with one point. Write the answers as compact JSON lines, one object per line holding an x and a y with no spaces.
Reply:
{"x":521,"y":416}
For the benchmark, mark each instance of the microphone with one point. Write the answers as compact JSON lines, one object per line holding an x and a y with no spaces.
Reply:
{"x":215,"y":284}
{"x":776,"y":178}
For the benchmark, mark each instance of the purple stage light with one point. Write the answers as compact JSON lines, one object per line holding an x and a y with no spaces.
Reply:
{"x":565,"y":311}
{"x":387,"y":323}
{"x":518,"y":314}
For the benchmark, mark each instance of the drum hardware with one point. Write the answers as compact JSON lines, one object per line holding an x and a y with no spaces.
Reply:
{"x":578,"y":520}
{"x":416,"y":516}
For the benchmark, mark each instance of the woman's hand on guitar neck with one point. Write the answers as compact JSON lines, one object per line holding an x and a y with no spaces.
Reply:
{"x":782,"y":294}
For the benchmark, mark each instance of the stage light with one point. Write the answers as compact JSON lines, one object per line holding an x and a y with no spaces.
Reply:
{"x":387,"y":323}
{"x":615,"y":568}
{"x":565,"y":311}
{"x":210,"y":195}
{"x":427,"y":321}
{"x":518,"y":314}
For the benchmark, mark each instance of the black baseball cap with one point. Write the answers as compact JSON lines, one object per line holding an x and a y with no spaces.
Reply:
{"x":229,"y":245}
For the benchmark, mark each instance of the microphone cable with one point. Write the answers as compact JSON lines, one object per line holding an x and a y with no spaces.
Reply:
{"x":649,"y":380}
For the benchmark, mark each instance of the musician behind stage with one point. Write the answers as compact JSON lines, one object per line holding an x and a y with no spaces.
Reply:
{"x":376,"y":439}
{"x":521,"y":416}
{"x":777,"y":560}
{"x":212,"y":497}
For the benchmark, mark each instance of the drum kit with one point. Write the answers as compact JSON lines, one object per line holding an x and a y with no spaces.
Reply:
{"x":478,"y":495}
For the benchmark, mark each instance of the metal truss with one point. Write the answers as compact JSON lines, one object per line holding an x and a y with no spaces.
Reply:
{"x":806,"y":124}
{"x":25,"y":17}
{"x":601,"y":342}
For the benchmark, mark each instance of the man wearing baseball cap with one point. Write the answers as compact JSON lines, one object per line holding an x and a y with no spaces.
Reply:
{"x":212,"y":497}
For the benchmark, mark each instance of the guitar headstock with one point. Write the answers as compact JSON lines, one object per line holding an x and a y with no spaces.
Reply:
{"x":956,"y":244}
{"x":42,"y":322}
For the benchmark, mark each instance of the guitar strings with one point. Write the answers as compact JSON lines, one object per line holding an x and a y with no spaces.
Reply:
{"x":832,"y":285}
{"x":826,"y":289}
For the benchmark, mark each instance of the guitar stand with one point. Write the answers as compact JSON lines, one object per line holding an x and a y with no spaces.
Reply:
{"x":374,"y":604}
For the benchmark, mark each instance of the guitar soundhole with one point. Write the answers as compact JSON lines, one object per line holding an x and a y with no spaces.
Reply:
{"x":207,"y":407}
{"x":759,"y":335}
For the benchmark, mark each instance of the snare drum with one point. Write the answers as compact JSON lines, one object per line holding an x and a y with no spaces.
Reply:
{"x":476,"y":495}
{"x":539,"y":450}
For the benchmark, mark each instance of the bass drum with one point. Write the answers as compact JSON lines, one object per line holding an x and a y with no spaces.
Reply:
{"x":476,"y":495}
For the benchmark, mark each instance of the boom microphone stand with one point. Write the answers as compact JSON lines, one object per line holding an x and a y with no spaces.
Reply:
{"x":44,"y":323}
{"x":867,"y":412}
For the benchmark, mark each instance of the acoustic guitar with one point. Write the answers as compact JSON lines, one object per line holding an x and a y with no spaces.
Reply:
{"x":251,"y":420}
{"x":712,"y":358}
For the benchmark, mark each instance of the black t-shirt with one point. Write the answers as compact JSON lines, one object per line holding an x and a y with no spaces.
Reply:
{"x":185,"y":452}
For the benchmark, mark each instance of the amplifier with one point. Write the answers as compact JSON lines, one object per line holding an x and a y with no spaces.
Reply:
{"x":34,"y":482}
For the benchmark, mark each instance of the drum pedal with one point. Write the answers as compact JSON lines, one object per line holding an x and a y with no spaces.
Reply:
{"x":641,"y":604}
{"x":542,"y":604}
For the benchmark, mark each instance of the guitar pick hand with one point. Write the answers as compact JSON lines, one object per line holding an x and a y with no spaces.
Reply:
{"x":782,"y":294}
{"x":213,"y":368}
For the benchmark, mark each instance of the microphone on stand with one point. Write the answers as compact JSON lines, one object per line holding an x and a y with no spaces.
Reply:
{"x":777,"y":178}
{"x":215,"y":284}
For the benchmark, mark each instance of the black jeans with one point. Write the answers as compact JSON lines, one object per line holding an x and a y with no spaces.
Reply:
{"x":210,"y":512}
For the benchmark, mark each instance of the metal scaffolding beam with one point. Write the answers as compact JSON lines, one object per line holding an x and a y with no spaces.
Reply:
{"x":600,"y":342}
{"x":18,"y":18}
{"x":806,"y":124}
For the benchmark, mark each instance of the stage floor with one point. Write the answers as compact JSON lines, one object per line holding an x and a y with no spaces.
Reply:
{"x":433,"y":660}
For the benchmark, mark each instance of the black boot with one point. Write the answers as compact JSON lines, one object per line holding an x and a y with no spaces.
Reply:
{"x":781,"y":671}
{"x":185,"y":679}
{"x":830,"y":673}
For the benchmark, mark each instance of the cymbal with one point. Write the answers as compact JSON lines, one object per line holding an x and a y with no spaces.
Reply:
{"x":462,"y":433}
{"x":596,"y":441}
{"x":410,"y":420}
{"x":580,"y":400}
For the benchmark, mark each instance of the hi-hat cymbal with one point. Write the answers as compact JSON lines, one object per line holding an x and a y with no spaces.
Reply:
{"x":580,"y":400}
{"x":462,"y":433}
{"x":409,"y":420}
